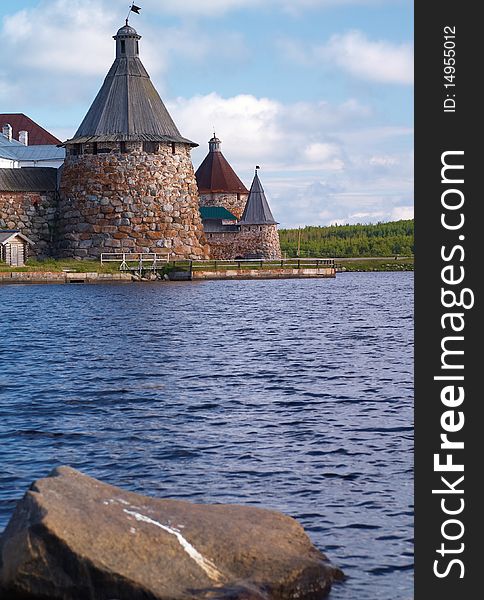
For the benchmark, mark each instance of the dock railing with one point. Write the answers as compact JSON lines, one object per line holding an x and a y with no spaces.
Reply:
{"x":254,"y":263}
{"x":136,"y":261}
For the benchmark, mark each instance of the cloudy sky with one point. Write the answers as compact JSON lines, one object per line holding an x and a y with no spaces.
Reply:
{"x":317,"y":92}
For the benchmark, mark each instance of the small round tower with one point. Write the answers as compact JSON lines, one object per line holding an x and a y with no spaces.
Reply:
{"x":128,"y":183}
{"x":218,"y":184}
{"x":258,"y":229}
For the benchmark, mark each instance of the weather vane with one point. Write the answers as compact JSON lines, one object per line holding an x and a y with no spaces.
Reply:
{"x":133,"y":8}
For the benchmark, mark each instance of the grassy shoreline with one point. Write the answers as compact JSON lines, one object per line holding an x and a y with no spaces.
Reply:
{"x":374,"y":264}
{"x":92,"y":266}
{"x":52,"y":265}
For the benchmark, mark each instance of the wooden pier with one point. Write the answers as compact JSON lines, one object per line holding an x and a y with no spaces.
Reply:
{"x":254,"y":269}
{"x":141,"y":264}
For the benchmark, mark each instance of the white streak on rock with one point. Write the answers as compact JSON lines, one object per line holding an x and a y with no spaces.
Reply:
{"x":206,"y":564}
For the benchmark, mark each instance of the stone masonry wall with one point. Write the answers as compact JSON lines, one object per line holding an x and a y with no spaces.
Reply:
{"x":34,"y":214}
{"x":130,"y":202}
{"x":260,"y":240}
{"x":235,"y":203}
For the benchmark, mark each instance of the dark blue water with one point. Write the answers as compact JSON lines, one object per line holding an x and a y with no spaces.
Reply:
{"x":292,"y":395}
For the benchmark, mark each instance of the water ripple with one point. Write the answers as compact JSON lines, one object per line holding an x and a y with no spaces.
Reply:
{"x":293,"y":395}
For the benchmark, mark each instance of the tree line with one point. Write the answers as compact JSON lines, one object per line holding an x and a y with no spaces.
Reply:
{"x":380,"y":239}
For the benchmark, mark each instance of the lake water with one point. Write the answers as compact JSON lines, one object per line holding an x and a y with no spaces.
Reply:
{"x":292,"y":395}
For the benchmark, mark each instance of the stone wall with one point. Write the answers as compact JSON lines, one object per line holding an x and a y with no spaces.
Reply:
{"x":235,"y":203}
{"x":251,"y":240}
{"x":223,"y":246}
{"x":131,"y":201}
{"x":273,"y":273}
{"x":34,"y":214}
{"x":62,"y":277}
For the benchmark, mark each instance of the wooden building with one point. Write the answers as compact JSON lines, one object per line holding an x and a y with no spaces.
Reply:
{"x":14,"y":247}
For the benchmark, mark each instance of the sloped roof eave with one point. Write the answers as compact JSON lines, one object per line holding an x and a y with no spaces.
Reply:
{"x":121,"y":137}
{"x":258,"y":223}
{"x":29,"y":179}
{"x":12,"y":235}
{"x":225,"y":190}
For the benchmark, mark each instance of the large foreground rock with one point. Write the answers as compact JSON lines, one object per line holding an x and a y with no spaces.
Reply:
{"x":73,"y":537}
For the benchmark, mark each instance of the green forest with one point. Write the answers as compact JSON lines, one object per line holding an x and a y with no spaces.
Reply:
{"x":380,"y":239}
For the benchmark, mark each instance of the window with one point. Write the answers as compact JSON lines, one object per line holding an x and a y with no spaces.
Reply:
{"x":150,"y":147}
{"x":94,"y":148}
{"x":137,"y":47}
{"x":123,"y":47}
{"x":122,"y":147}
{"x":173,"y":148}
{"x":77,"y":150}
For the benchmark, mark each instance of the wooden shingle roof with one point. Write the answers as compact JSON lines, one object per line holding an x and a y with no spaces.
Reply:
{"x":215,"y":173}
{"x":128,"y":107}
{"x":28,"y":179}
{"x":257,"y":210}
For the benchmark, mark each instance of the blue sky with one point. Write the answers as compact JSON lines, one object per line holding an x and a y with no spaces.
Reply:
{"x":318,"y":92}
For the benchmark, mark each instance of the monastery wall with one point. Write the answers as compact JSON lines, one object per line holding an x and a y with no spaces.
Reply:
{"x":260,"y":240}
{"x":34,"y":214}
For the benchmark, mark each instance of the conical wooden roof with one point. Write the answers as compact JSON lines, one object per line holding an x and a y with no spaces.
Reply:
{"x":257,"y":210}
{"x":128,"y":107}
{"x":215,"y":173}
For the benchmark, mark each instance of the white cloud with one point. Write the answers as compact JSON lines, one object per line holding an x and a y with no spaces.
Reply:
{"x":378,"y":61}
{"x":383,"y":161}
{"x":322,"y":161}
{"x":247,"y":125}
{"x":311,"y":174}
{"x":56,"y":53}
{"x":324,"y":155}
{"x":402,"y":213}
{"x":215,"y":8}
{"x":68,"y":43}
{"x":278,"y":136}
{"x":196,"y":7}
{"x":56,"y":37}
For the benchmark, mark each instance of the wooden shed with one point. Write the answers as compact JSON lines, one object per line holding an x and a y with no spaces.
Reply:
{"x":14,"y":247}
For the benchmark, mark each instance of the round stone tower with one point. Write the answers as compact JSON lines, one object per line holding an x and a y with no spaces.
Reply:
{"x":218,"y":184}
{"x":258,"y":229}
{"x":128,"y":183}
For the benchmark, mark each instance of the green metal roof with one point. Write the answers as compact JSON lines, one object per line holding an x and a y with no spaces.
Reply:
{"x":216,"y":213}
